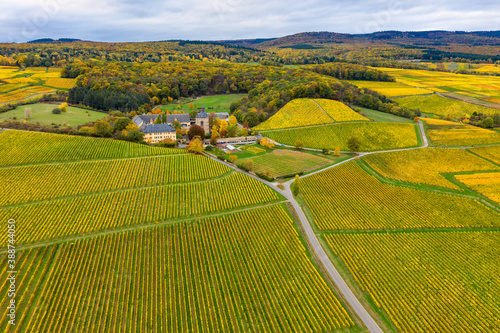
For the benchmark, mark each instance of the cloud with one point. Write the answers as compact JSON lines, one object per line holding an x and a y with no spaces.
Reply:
{"x":129,"y":20}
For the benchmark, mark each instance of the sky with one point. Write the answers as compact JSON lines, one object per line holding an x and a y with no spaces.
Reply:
{"x":152,"y":20}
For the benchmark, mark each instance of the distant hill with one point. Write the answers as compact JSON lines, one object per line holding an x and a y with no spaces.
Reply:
{"x":50,"y":40}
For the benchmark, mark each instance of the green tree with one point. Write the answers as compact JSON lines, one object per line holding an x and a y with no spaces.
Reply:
{"x":135,"y":136}
{"x":252,"y":118}
{"x":488,"y":122}
{"x":353,"y":144}
{"x":296,"y":186}
{"x":102,"y":128}
{"x":120,"y":124}
{"x":176,"y":124}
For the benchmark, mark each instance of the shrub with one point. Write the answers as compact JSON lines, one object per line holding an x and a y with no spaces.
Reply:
{"x":56,"y":111}
{"x":326,"y":151}
{"x":265,"y":176}
{"x":232,"y":158}
{"x":299,"y":144}
{"x":488,"y":122}
{"x":209,"y":148}
{"x":246,"y":165}
{"x":353,"y":144}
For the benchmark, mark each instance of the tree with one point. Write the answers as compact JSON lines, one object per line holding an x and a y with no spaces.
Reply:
{"x":213,"y":140}
{"x":353,"y":144}
{"x":299,"y":144}
{"x":266,"y":143}
{"x":337,"y":152}
{"x":135,"y":136}
{"x":120,"y":124}
{"x":251,"y":118}
{"x":488,"y":123}
{"x":56,"y":111}
{"x":63,"y":107}
{"x":296,"y":186}
{"x":102,"y":128}
{"x":232,"y":158}
{"x":246,"y":165}
{"x":223,"y":126}
{"x":232,"y":120}
{"x":231,"y":131}
{"x":243,"y":132}
{"x":131,"y":127}
{"x":196,"y":130}
{"x":158,"y":119}
{"x":176,"y":124}
{"x":195,"y":146}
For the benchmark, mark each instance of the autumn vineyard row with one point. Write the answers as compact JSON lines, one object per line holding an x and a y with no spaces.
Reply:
{"x":211,"y":275}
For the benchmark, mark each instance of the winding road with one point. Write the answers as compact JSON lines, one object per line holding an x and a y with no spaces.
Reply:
{"x":313,"y":240}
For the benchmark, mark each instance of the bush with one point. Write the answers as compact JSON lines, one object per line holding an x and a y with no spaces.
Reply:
{"x":246,"y":165}
{"x":232,"y":158}
{"x":299,"y":144}
{"x":168,"y":143}
{"x":209,"y":148}
{"x":265,"y":177}
{"x":488,"y":122}
{"x":326,"y":151}
{"x":56,"y":111}
{"x":222,"y":157}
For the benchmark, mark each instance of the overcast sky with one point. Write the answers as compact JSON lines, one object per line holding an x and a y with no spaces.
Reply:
{"x":148,"y":20}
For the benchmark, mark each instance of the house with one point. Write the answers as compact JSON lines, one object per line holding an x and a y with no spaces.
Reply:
{"x":154,"y":133}
{"x":202,"y":120}
{"x":147,"y":119}
{"x":158,"y":132}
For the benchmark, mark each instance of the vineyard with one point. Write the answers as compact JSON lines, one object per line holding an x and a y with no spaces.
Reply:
{"x":18,"y":147}
{"x":447,"y":133}
{"x":372,"y":136}
{"x":339,"y":111}
{"x":391,"y":89}
{"x":42,"y":182}
{"x":17,"y":84}
{"x":92,"y":213}
{"x":253,"y":149}
{"x":491,"y":153}
{"x":348,"y":198}
{"x":428,"y":281}
{"x":296,"y":113}
{"x":210,"y":275}
{"x":487,"y":184}
{"x":442,"y":106}
{"x":425,"y":166}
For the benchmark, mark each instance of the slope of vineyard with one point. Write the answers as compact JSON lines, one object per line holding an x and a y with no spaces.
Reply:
{"x":339,"y":111}
{"x":21,"y":147}
{"x":210,"y":275}
{"x":442,"y":106}
{"x":487,"y":184}
{"x":296,"y":113}
{"x":491,"y":153}
{"x":347,"y":197}
{"x":91,"y":213}
{"x":391,"y":89}
{"x":447,"y":133}
{"x":41,"y":182}
{"x":372,"y":136}
{"x":425,"y":166}
{"x":428,"y":281}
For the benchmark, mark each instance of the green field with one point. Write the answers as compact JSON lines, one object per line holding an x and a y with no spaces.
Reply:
{"x":216,"y":103}
{"x":42,"y":113}
{"x":382,"y":117}
{"x":281,"y":162}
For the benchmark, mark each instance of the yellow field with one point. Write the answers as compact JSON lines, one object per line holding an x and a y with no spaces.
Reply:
{"x":22,"y":84}
{"x":443,"y":106}
{"x":447,"y":133}
{"x":24,"y":93}
{"x":487,"y":184}
{"x":296,"y":113}
{"x":339,"y":111}
{"x":425,"y":166}
{"x":61,"y":83}
{"x":491,"y":153}
{"x":480,"y":85}
{"x":428,"y":281}
{"x":391,"y":89}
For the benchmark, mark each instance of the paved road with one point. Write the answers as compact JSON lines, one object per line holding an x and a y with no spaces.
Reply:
{"x":320,"y":252}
